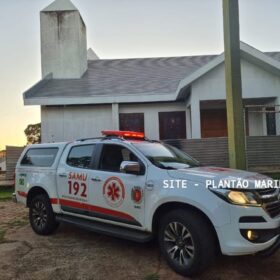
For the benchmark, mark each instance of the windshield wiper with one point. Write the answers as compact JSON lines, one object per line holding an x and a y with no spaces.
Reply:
{"x":169,"y":168}
{"x":160,"y":165}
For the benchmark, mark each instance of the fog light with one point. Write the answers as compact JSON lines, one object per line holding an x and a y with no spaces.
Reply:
{"x":259,"y":235}
{"x":252,"y":235}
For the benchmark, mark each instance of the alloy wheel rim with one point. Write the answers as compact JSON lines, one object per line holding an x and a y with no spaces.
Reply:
{"x":179,"y":243}
{"x":39,"y":214}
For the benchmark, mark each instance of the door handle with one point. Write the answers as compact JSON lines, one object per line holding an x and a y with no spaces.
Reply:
{"x":150,"y":185}
{"x":63,"y":175}
{"x":96,"y":179}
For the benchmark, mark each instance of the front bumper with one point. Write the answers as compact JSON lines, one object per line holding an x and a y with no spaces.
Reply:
{"x":271,"y":250}
{"x":233,"y":243}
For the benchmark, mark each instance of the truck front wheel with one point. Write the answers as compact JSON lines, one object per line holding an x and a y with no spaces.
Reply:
{"x":186,"y":241}
{"x":41,"y":215}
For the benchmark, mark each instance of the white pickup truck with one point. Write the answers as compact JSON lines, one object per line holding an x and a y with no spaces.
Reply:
{"x":129,"y":187}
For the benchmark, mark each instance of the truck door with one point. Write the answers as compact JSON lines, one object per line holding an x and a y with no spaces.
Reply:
{"x":74,"y":189}
{"x":117,"y":196}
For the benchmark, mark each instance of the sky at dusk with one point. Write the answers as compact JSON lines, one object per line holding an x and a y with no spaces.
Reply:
{"x":119,"y":29}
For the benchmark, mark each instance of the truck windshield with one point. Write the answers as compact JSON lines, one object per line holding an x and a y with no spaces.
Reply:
{"x":166,"y":156}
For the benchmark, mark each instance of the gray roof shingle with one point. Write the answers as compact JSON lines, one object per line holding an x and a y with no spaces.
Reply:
{"x":125,"y":76}
{"x":274,"y":55}
{"x":116,"y":77}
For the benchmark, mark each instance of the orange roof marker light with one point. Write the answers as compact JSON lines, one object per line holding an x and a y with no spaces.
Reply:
{"x":124,"y":134}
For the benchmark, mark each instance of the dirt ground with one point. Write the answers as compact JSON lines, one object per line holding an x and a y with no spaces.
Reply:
{"x":72,"y":253}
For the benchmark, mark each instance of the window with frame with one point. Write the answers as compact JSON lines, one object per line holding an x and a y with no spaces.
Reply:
{"x":271,"y":122}
{"x":172,"y":125}
{"x":132,"y":121}
{"x":81,"y":156}
{"x":40,"y":157}
{"x":113,"y":155}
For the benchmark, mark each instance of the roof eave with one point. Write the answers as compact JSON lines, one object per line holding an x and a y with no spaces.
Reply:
{"x":247,"y":52}
{"x":37,"y":86}
{"x":260,"y":59}
{"x":61,"y":101}
{"x":199,"y":73}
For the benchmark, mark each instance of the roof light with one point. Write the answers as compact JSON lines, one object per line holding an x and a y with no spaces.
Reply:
{"x":124,"y":134}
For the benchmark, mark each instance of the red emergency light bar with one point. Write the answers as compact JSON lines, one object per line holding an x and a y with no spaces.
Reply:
{"x":124,"y":134}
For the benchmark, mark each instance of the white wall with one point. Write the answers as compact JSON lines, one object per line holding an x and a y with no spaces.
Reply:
{"x":256,"y":83}
{"x":3,"y":166}
{"x":151,"y":120}
{"x":70,"y":123}
{"x":257,"y":121}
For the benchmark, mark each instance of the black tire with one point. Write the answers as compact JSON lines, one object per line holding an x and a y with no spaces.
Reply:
{"x":194,"y":247}
{"x":41,"y":215}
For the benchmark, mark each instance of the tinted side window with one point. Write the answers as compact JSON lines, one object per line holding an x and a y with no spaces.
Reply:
{"x":80,"y":156}
{"x":113,"y":155}
{"x":41,"y":157}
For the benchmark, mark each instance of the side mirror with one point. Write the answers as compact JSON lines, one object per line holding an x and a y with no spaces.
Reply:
{"x":130,"y":167}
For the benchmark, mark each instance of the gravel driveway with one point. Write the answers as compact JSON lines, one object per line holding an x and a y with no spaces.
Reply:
{"x":72,"y":253}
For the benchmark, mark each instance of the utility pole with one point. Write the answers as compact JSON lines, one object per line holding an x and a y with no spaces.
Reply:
{"x":235,"y":118}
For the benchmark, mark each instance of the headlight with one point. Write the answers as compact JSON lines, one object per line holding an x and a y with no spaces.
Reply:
{"x":244,"y":198}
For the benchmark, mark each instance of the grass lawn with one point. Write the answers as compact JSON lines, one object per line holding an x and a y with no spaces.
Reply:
{"x":6,"y":193}
{"x":2,"y":236}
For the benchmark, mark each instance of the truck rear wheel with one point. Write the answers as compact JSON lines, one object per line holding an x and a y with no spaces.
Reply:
{"x":186,"y":241}
{"x":41,"y":215}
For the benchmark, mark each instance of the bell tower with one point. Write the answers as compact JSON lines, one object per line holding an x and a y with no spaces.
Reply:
{"x":63,"y":41}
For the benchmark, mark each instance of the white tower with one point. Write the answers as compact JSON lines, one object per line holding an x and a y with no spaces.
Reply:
{"x":63,"y":41}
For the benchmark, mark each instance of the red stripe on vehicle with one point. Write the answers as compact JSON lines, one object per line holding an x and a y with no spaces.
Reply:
{"x":85,"y":206}
{"x":23,"y":194}
{"x":92,"y":208}
{"x":54,"y":201}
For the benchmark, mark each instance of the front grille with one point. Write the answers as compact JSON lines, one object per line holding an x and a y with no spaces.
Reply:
{"x":270,"y":201}
{"x":273,"y":209}
{"x":270,"y":191}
